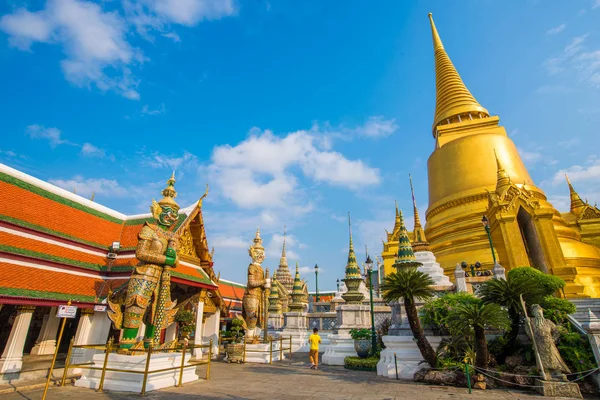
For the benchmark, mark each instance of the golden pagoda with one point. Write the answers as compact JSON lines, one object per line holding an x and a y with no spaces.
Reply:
{"x":476,"y":170}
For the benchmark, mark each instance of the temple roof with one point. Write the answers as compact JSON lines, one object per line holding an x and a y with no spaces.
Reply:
{"x":452,"y":96}
{"x":48,"y":229}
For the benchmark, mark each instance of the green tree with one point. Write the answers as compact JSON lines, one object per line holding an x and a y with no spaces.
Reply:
{"x":479,"y":316}
{"x":409,"y":285}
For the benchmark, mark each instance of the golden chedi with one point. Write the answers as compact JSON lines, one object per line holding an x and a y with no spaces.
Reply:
{"x":476,"y":170}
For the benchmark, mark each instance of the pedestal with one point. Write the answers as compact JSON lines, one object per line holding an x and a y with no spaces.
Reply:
{"x":408,"y":356}
{"x":260,"y":353}
{"x":275,"y":321}
{"x":128,"y":382}
{"x":341,"y":345}
{"x":295,"y":326}
{"x":558,"y":389}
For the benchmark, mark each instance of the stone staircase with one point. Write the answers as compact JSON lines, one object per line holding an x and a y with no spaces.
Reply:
{"x":34,"y":374}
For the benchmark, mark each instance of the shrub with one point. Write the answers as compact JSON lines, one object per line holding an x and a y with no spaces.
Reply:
{"x":361,"y":364}
{"x":576,"y":351}
{"x":435,"y":313}
{"x":362,"y":333}
{"x":186,"y":321}
{"x":550,"y":283}
{"x":557,"y":309}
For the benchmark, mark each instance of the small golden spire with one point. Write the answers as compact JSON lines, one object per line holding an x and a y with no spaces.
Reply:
{"x":416,"y":211}
{"x":576,"y":203}
{"x":453,"y":99}
{"x":503,"y":180}
{"x":419,"y":240}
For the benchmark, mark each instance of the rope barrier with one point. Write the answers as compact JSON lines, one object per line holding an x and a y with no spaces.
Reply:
{"x":529,"y":376}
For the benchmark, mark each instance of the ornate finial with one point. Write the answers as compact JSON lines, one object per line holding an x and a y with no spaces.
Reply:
{"x":396,"y":201}
{"x":350,"y":230}
{"x":419,"y":240}
{"x":169,"y":194}
{"x":93,"y":194}
{"x":283,"y":250}
{"x":353,"y":276}
{"x":452,"y":96}
{"x":352,"y":270}
{"x":502,"y":180}
{"x":577,"y":204}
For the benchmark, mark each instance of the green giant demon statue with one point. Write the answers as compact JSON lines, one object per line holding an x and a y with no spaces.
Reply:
{"x":147,"y":298}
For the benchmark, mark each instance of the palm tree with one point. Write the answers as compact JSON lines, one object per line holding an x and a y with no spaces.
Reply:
{"x":506,"y":293}
{"x":410,"y":285}
{"x":479,"y":316}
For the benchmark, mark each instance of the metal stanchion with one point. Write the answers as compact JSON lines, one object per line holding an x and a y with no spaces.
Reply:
{"x":281,"y":348}
{"x":108,"y":350}
{"x":62,"y":328}
{"x":396,"y":365}
{"x":290,"y":347}
{"x":67,"y":362}
{"x":182,"y":364}
{"x":209,"y":360}
{"x":143,"y":392}
{"x":244,"y":351}
{"x":270,"y":350}
{"x":468,"y":376}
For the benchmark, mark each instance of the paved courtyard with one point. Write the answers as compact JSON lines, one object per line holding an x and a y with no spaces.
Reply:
{"x":287,"y":380}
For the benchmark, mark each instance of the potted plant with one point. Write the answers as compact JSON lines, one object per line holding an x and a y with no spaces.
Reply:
{"x":185,"y":319}
{"x":362,"y":341}
{"x":235,"y":349}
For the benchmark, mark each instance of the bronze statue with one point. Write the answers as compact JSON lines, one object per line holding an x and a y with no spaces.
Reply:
{"x":254,"y":297}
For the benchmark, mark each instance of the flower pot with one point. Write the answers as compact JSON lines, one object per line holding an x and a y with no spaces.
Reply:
{"x":362,"y":347}
{"x":235,"y":352}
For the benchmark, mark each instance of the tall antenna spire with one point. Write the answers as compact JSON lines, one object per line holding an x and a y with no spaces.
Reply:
{"x":350,"y":230}
{"x":453,"y":99}
{"x":283,"y":250}
{"x":415,"y":209}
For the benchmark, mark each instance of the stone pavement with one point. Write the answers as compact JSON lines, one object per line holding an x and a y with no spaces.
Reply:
{"x":289,"y":380}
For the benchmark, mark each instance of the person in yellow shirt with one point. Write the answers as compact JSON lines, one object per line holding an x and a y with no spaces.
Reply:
{"x":313,"y":354}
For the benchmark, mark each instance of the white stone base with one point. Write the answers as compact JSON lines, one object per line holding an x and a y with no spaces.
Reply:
{"x":260,"y":353}
{"x":11,"y":364}
{"x":340,"y":347}
{"x":408,"y":356}
{"x":128,"y":382}
{"x":299,"y":339}
{"x":432,"y":268}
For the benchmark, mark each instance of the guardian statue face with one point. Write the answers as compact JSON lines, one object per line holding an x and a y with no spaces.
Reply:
{"x":167,"y":216}
{"x":258,"y":255}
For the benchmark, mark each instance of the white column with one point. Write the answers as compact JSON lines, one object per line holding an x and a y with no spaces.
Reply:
{"x":171,"y":332}
{"x":46,"y":341}
{"x":198,"y":330}
{"x":211,"y":331}
{"x":82,"y":336}
{"x":100,"y":328}
{"x":12,"y":357}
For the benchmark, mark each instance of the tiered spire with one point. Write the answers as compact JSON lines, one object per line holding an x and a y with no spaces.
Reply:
{"x":405,"y":256}
{"x":453,"y":99}
{"x":274,"y":305}
{"x":419,"y":241}
{"x":503,"y":180}
{"x":577,"y":204}
{"x":353,"y":277}
{"x":297,"y":294}
{"x":283,"y":272}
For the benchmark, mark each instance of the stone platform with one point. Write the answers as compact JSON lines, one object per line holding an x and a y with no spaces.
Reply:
{"x":260,"y":353}
{"x":558,"y":389}
{"x":132,"y":382}
{"x":408,"y":357}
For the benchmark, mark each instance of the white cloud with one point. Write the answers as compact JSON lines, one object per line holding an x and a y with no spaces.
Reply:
{"x":596,"y":4}
{"x":157,"y":160}
{"x":555,"y":89}
{"x":89,"y":150}
{"x":52,"y":135}
{"x":93,"y":40}
{"x":229,"y":242}
{"x":587,"y":174}
{"x":262,"y":170}
{"x":530,"y":157}
{"x":575,"y":59}
{"x":85,"y":187}
{"x":276,"y":244}
{"x":377,"y":126}
{"x":146,"y":110}
{"x":556,"y":29}
{"x":96,"y":42}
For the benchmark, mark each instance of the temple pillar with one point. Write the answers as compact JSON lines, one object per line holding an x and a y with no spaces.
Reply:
{"x":46,"y":341}
{"x":171,"y":332}
{"x":198,"y":331}
{"x":82,"y":336}
{"x":12,"y":357}
{"x":211,"y":331}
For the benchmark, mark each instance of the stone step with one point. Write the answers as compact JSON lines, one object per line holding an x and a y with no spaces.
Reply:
{"x":40,"y":383}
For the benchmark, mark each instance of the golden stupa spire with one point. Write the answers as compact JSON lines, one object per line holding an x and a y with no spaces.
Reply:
{"x":576,"y":203}
{"x":453,"y":100}
{"x":397,"y":224}
{"x":283,"y":257}
{"x":503,"y":180}
{"x":419,"y":241}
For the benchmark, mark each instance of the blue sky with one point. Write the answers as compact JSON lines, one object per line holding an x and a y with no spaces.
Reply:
{"x":294,"y":112}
